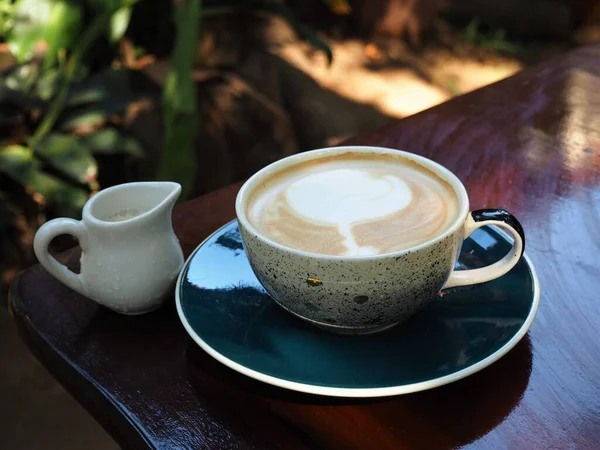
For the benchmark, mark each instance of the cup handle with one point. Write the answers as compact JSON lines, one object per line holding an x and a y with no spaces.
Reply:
{"x":42,"y":240}
{"x":502,"y":219}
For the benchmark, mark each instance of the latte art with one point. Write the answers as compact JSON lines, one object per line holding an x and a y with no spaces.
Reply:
{"x":344,"y":197}
{"x":353,"y":205}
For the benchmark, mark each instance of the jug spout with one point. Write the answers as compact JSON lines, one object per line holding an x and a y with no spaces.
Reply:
{"x":164,"y":194}
{"x":172,"y":191}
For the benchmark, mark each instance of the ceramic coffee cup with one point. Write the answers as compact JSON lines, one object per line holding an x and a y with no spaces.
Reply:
{"x":366,"y":294}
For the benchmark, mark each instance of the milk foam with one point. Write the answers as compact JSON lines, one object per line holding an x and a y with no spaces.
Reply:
{"x":351,"y":205}
{"x":343,"y":196}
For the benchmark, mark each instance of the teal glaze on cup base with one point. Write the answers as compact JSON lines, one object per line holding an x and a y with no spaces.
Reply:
{"x":366,"y":294}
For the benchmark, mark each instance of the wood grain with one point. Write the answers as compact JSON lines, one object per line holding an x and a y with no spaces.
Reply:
{"x":531,"y":145}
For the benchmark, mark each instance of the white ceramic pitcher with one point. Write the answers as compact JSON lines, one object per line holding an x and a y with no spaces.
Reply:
{"x":130,"y":255}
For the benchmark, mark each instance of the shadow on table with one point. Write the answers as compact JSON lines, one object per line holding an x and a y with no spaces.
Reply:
{"x":445,"y":417}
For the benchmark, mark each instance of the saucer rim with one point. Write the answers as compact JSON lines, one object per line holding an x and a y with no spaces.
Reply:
{"x":358,"y":392}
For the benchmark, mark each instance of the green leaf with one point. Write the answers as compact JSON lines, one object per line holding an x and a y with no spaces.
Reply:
{"x":69,"y":156}
{"x":106,"y":85}
{"x":179,"y":155}
{"x":7,"y":15}
{"x":179,"y":91}
{"x":62,"y":30}
{"x":93,"y":101}
{"x":47,"y":85}
{"x":305,"y":32}
{"x":100,"y":6}
{"x":471,"y":32}
{"x":91,"y":115}
{"x":16,"y":162}
{"x":18,"y":98}
{"x":87,"y":39}
{"x":109,"y":140}
{"x":30,"y":22}
{"x":86,"y":116}
{"x":119,"y":23}
{"x":19,"y":163}
{"x":21,"y":77}
{"x":179,"y":100}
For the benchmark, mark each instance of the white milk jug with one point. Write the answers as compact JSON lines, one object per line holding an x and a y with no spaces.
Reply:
{"x":130,"y":255}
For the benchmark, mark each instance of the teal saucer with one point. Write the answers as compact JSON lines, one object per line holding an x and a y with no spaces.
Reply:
{"x":228,"y":313}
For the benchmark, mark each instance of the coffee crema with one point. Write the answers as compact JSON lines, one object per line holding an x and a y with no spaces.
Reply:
{"x":353,"y":204}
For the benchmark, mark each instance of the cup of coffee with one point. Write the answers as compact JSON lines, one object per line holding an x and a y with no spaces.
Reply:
{"x":357,"y":239}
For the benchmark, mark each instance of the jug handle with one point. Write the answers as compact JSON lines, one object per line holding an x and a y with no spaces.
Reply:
{"x":42,"y":240}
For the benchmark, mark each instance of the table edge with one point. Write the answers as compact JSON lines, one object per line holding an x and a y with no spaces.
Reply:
{"x":90,"y":395}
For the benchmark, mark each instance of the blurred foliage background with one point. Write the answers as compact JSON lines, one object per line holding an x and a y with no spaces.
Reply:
{"x":66,"y":99}
{"x":99,"y":92}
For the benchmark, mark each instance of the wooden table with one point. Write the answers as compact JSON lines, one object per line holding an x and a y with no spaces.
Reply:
{"x":530,"y":144}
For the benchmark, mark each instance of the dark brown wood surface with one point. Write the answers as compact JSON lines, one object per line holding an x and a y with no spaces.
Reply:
{"x":530,"y":144}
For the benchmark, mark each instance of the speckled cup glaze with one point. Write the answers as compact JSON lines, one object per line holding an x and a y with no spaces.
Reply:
{"x":366,"y":294}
